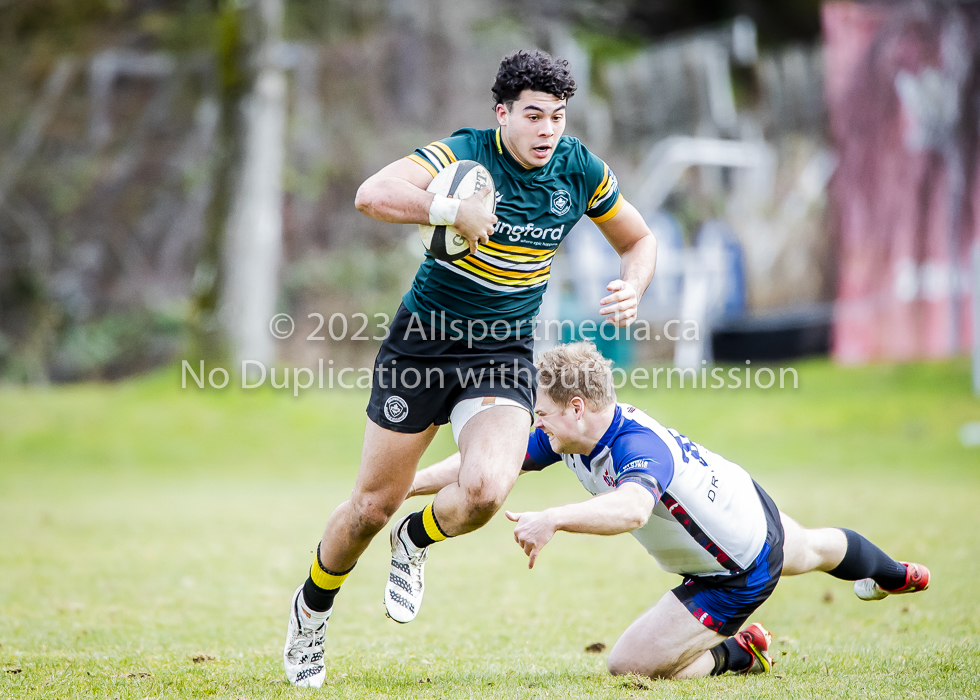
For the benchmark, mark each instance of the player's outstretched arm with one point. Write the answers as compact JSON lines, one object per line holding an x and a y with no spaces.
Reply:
{"x":623,"y":510}
{"x":630,"y":236}
{"x":433,"y":479}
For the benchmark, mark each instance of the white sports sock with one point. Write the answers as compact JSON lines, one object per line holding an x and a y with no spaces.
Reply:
{"x":312,"y":617}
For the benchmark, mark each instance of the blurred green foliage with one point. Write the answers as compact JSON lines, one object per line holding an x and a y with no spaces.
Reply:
{"x":108,"y":346}
{"x":24,"y":18}
{"x":376,"y":281}
{"x":329,"y":20}
{"x":778,"y":21}
{"x":120,"y":344}
{"x":182,"y":24}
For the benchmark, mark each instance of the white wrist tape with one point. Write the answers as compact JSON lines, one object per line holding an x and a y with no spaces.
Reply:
{"x":443,"y":211}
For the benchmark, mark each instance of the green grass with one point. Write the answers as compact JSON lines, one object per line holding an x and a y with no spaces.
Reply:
{"x":142,"y":525}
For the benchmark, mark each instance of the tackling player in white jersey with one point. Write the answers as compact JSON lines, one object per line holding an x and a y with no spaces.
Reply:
{"x":698,"y":514}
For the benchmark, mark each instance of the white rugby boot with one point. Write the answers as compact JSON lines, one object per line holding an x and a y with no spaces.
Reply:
{"x":302,"y":657}
{"x":406,"y":580}
{"x":916,"y":579}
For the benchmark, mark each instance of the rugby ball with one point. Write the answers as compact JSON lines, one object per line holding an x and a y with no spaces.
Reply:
{"x":458,"y":180}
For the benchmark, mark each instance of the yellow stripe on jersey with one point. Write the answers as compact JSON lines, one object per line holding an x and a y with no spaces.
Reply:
{"x":501,"y":279}
{"x":500,"y":148}
{"x":612,"y":212}
{"x":424,"y":163}
{"x":445,"y":150}
{"x":484,"y":282}
{"x":512,"y":258}
{"x":510,"y":262}
{"x":602,"y":188}
{"x":534,"y":253}
{"x":503,"y":272}
{"x":432,"y":528}
{"x":438,"y":155}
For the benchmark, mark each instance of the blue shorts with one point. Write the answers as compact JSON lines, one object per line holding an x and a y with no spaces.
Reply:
{"x":724,"y":603}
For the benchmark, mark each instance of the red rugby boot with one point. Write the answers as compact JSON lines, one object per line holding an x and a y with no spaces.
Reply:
{"x":916,"y":579}
{"x":755,"y":639}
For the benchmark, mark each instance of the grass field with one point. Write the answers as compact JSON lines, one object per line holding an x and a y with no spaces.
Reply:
{"x":150,"y":538}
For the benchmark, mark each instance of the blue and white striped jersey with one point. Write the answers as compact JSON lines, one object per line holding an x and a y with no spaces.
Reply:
{"x":708,"y":519}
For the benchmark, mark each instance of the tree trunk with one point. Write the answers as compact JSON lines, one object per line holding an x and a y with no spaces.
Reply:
{"x":253,"y":246}
{"x":232,"y":81}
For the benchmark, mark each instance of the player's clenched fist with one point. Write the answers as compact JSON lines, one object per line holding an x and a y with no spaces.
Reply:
{"x":620,"y":306}
{"x":533,"y":532}
{"x":474,"y":222}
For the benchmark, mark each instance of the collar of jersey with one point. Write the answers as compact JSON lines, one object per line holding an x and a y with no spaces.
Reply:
{"x":516,"y":167}
{"x":607,"y":436}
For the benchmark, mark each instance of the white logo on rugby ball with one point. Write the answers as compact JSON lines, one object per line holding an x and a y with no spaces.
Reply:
{"x":396,"y":410}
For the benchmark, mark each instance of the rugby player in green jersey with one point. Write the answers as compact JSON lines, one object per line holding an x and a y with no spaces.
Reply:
{"x":460,"y":347}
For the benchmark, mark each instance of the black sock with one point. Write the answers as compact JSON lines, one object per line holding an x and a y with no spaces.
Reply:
{"x":423,"y":528}
{"x":729,"y":656}
{"x":720,"y":654}
{"x":864,"y":560}
{"x":319,"y":599}
{"x":322,"y":585}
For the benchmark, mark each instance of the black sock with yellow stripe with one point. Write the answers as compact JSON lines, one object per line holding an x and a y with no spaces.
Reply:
{"x":423,"y":528}
{"x":322,"y":585}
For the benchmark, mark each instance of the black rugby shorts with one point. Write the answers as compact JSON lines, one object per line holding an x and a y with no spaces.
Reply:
{"x":419,"y":380}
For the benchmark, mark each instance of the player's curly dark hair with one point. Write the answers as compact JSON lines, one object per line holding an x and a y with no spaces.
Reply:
{"x":532,"y":70}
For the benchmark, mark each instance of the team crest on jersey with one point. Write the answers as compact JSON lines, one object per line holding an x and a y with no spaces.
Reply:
{"x":396,"y":409}
{"x":561,"y":202}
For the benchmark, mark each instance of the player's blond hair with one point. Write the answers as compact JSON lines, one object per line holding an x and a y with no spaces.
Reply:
{"x":576,"y":369}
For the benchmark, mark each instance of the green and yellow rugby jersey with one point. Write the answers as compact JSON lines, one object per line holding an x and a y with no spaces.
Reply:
{"x":506,"y":278}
